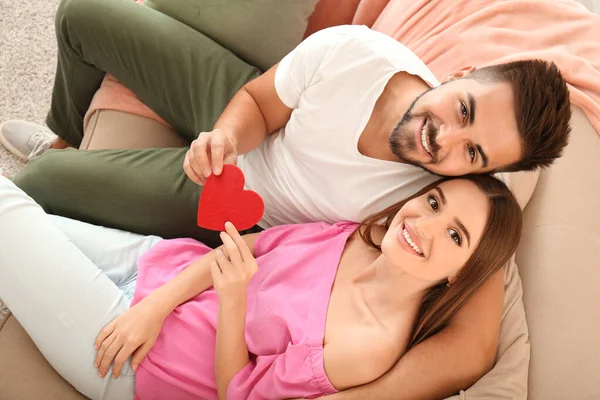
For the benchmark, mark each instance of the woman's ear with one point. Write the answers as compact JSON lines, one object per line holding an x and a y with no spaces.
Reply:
{"x":459,"y":73}
{"x":451,"y":280}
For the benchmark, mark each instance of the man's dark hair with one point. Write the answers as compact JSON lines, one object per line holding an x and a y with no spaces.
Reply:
{"x":542,"y":109}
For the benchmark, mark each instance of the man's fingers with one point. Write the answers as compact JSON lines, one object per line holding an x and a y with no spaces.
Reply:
{"x":217,"y":149}
{"x":230,"y":158}
{"x":199,"y":150}
{"x":189,"y":170}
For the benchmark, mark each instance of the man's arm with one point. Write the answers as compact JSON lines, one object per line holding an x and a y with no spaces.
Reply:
{"x":448,"y":362}
{"x":255,"y":112}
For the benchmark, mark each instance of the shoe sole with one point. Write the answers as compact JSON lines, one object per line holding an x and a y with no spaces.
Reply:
{"x":10,"y":147}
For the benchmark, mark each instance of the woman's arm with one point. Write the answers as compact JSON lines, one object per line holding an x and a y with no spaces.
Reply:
{"x":135,"y":331}
{"x":232,"y":271}
{"x":190,"y":282}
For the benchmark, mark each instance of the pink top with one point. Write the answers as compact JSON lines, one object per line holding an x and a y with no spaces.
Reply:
{"x":285,"y":321}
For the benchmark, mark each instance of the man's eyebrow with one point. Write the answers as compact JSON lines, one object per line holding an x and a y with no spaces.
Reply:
{"x":483,"y":156}
{"x":471,"y":108}
{"x":462,"y":227}
{"x":472,"y":105}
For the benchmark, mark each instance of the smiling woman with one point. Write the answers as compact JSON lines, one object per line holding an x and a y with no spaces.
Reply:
{"x":491,"y":230}
{"x":176,"y":319}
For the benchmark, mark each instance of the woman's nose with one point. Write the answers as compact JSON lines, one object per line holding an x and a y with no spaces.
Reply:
{"x":427,"y":225}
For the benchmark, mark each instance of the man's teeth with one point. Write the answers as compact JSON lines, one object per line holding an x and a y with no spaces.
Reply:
{"x":412,"y":244}
{"x":424,"y":139}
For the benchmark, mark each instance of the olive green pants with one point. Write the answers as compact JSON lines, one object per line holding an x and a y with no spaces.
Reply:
{"x":182,"y":75}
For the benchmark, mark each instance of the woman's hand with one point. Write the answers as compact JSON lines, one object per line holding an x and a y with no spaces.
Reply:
{"x":133,"y":332}
{"x":233,"y":268}
{"x":208,"y":153}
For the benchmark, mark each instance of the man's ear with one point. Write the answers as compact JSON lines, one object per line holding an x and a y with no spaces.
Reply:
{"x":459,"y":73}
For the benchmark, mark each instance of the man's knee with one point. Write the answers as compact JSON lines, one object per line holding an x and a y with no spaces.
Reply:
{"x":40,"y":175}
{"x":73,"y":14}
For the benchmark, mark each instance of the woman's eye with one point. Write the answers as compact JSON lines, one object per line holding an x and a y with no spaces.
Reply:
{"x":433,"y":203}
{"x":463,"y":111}
{"x":471,"y":153}
{"x":455,"y":236}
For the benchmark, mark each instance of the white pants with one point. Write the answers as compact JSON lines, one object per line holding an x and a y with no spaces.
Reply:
{"x":64,"y":280}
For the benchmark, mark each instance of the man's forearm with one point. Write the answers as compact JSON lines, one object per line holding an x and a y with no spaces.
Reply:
{"x":244,"y":121}
{"x":434,"y":369}
{"x":255,"y":112}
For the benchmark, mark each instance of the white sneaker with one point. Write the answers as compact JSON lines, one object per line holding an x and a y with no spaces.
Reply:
{"x":25,"y":139}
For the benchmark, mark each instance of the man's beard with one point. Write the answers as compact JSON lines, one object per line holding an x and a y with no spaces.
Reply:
{"x":403,"y":142}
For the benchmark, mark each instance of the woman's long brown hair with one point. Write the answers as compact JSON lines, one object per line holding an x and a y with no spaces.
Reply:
{"x":498,"y":242}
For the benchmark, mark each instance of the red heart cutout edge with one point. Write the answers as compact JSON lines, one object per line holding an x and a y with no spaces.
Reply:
{"x":223,"y":199}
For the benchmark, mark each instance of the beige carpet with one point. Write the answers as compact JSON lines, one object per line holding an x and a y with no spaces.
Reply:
{"x":27,"y":65}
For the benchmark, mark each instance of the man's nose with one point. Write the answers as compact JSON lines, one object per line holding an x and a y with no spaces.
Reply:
{"x":449,"y":136}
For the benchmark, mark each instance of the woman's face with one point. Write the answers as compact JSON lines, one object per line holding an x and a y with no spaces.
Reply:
{"x":433,"y":236}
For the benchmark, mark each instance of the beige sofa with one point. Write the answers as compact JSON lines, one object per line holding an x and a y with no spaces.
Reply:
{"x":558,"y":261}
{"x":559,"y":266}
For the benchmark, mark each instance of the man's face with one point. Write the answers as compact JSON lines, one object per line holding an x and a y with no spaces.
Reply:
{"x":458,"y":128}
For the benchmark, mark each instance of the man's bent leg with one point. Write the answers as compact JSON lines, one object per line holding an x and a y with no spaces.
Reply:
{"x":184,"y":76}
{"x":143,"y":191}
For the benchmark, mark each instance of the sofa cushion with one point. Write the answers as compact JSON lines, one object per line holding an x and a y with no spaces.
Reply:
{"x":261,"y":32}
{"x":558,"y":260}
{"x":24,"y":373}
{"x":521,"y":184}
{"x":508,"y":379}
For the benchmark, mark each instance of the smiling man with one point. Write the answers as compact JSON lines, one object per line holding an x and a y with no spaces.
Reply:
{"x":345,"y":125}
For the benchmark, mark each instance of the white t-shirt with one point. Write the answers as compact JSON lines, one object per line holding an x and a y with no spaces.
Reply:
{"x":311,"y":170}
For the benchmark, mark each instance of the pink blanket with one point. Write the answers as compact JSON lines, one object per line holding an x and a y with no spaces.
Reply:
{"x":450,"y":34}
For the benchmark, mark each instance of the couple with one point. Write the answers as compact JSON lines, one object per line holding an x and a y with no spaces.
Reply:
{"x":342,"y":128}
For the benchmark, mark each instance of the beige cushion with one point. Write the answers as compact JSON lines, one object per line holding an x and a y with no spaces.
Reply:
{"x":559,"y":260}
{"x":508,"y":379}
{"x":522,"y":184}
{"x":24,"y":373}
{"x":105,"y":131}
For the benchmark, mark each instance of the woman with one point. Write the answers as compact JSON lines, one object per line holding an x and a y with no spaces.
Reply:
{"x":296,"y":311}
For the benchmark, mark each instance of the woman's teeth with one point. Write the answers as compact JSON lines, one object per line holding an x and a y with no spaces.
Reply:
{"x":424,"y":138}
{"x":412,"y":244}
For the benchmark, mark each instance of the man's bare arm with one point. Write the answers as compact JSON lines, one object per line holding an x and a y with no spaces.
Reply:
{"x":448,"y":362}
{"x":254,"y":112}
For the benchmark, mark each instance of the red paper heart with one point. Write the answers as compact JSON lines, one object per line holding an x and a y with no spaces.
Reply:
{"x":224,"y":199}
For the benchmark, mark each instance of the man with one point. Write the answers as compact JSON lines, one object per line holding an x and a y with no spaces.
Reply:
{"x":345,"y":125}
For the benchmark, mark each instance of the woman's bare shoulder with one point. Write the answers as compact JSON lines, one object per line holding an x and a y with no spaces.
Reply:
{"x":362,"y":355}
